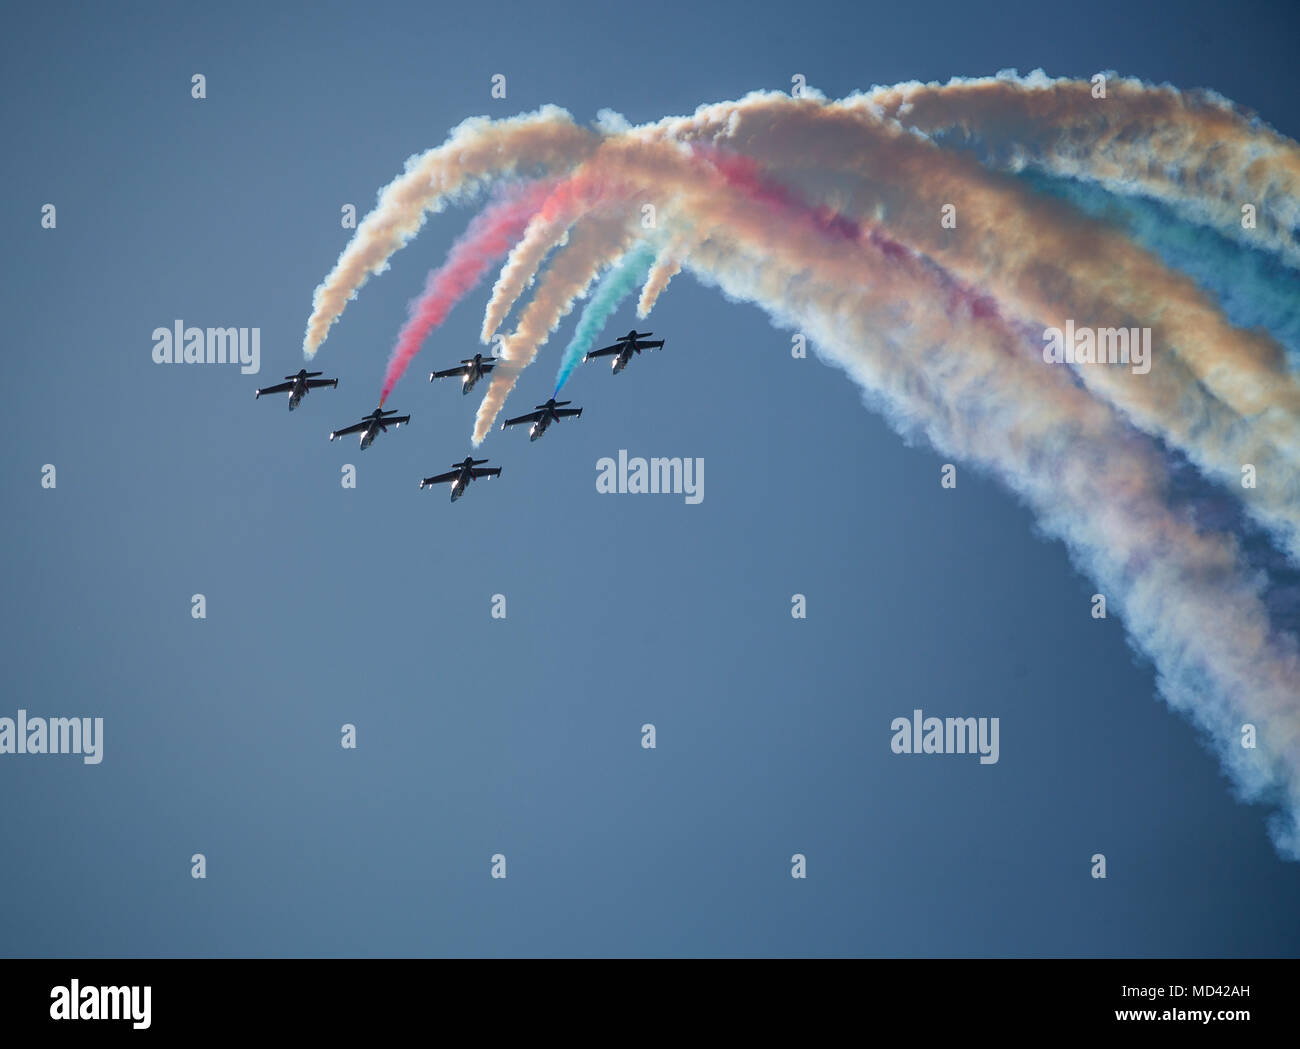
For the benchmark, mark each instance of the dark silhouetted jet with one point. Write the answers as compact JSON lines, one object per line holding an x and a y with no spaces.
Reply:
{"x":298,"y":386}
{"x":471,"y":369}
{"x":461,"y":474}
{"x":372,"y":425}
{"x":551,"y":411}
{"x":632,"y":342}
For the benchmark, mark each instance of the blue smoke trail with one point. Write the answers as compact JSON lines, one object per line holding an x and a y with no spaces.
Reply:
{"x":1255,"y":289}
{"x":613,"y":288}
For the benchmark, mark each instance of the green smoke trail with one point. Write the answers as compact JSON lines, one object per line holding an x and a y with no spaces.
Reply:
{"x":613,"y":288}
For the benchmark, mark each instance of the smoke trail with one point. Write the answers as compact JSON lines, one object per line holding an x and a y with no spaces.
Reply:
{"x":1253,"y":289}
{"x":1223,"y":395}
{"x":664,"y":269}
{"x":1093,"y":483}
{"x":569,"y":200}
{"x":1046,"y":260}
{"x":830,"y":224}
{"x":608,"y":179}
{"x":486,"y":239}
{"x":1192,"y":149}
{"x":613,"y":288}
{"x":476,"y":151}
{"x":1167,"y":580}
{"x":596,"y":242}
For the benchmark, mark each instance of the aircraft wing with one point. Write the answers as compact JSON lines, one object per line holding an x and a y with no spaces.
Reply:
{"x":396,"y":420}
{"x":316,"y":384}
{"x":650,"y":344}
{"x":565,"y":413}
{"x":458,"y":370}
{"x":531,"y":417}
{"x":486,"y":471}
{"x":450,"y":475}
{"x":279,"y":387}
{"x":606,"y":352}
{"x":485,"y":368}
{"x":354,"y":428}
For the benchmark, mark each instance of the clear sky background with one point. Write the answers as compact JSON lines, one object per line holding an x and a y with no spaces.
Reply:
{"x":372,"y":606}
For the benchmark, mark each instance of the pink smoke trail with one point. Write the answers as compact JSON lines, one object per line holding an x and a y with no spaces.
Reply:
{"x":487,"y":238}
{"x":744,"y":174}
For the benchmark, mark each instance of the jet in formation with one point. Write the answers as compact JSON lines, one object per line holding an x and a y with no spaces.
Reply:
{"x":551,"y":411}
{"x":372,"y":425}
{"x":461,"y":474}
{"x":471,"y":369}
{"x":621,"y":351}
{"x":298,"y":386}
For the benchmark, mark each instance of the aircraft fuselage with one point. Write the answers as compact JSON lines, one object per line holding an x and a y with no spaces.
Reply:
{"x":473,"y":372}
{"x":538,"y":428}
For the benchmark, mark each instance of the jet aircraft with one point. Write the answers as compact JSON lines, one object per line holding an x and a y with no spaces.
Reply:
{"x":372,"y":425}
{"x":471,"y":369}
{"x":621,"y":351}
{"x":297,"y":386}
{"x":551,"y":411}
{"x":461,"y":475}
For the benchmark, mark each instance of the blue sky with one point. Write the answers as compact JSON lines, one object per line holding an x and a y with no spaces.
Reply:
{"x":372,"y":606}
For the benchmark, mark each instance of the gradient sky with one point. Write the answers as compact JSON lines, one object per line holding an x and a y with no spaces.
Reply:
{"x":371,"y":606}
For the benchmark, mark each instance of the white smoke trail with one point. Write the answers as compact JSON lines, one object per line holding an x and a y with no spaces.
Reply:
{"x":893,"y":299}
{"x":664,"y":269}
{"x":1185,"y":597}
{"x":1223,"y":395}
{"x":478,"y":150}
{"x":1193,"y":150}
{"x":596,"y":242}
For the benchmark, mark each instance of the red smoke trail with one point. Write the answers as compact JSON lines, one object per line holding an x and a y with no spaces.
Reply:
{"x":487,"y":238}
{"x":585,"y":189}
{"x":744,"y":174}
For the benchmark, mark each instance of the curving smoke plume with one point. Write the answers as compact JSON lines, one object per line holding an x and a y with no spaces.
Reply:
{"x":487,"y":239}
{"x":477,"y":152}
{"x":927,"y":238}
{"x":613,"y":288}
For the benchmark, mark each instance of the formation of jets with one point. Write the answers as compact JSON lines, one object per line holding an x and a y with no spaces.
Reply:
{"x":470,"y":370}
